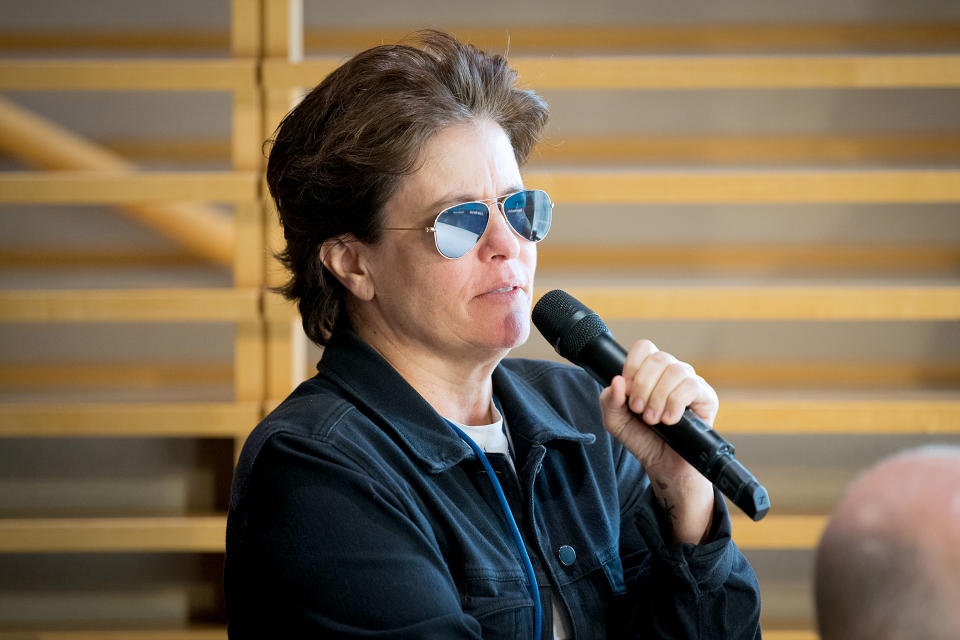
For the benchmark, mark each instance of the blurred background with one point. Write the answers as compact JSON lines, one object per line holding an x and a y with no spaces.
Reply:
{"x":767,"y":189}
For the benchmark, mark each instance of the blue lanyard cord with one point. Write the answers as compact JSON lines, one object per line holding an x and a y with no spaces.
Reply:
{"x":517,"y":538}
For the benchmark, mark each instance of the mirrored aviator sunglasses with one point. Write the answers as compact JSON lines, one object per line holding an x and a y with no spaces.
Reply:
{"x":459,"y":228}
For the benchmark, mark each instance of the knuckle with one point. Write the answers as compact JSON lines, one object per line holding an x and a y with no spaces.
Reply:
{"x":645,"y":346}
{"x":679,"y":370}
{"x":662,"y":357}
{"x":706,"y":387}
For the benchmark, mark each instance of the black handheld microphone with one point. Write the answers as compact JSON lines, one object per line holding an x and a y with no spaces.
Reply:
{"x":579,"y":335}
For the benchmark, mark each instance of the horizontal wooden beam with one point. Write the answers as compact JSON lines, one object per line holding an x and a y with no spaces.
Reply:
{"x":121,"y":375}
{"x":187,"y":633}
{"x":688,"y":72}
{"x":741,"y":258}
{"x":221,"y":634}
{"x":276,"y":308}
{"x":787,"y":634}
{"x":206,"y":534}
{"x":134,"y":420}
{"x":281,"y":75}
{"x":777,"y":531}
{"x":738,"y":415}
{"x":192,"y":534}
{"x":748,"y":258}
{"x":130,"y":305}
{"x":739,"y":374}
{"x":787,"y":415}
{"x":828,"y":374}
{"x":819,"y":415}
{"x":779,"y":149}
{"x":771,"y":303}
{"x":697,"y":150}
{"x":102,"y":187}
{"x":139,"y":39}
{"x":96,"y":257}
{"x":128,"y":75}
{"x":670,"y":38}
{"x":193,"y":149}
{"x":747,"y":186}
{"x":744,"y":303}
{"x":564,"y":186}
{"x":740,"y":72}
{"x":528,"y":38}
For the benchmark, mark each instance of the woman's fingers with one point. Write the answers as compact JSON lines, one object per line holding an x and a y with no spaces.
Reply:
{"x":676,"y":388}
{"x":613,"y":400}
{"x":659,"y":387}
{"x":622,"y":424}
{"x":640,"y":373}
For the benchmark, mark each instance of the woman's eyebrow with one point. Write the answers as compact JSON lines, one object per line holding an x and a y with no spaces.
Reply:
{"x":447,"y":200}
{"x":452,"y":199}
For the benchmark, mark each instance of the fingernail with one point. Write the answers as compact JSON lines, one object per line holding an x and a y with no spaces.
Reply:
{"x":648,"y":416}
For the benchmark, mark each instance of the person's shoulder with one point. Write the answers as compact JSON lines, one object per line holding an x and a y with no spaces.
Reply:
{"x":313,"y":413}
{"x":312,"y":410}
{"x":307,"y":424}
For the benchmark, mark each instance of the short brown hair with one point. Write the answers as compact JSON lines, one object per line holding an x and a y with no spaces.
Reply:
{"x":340,"y":154}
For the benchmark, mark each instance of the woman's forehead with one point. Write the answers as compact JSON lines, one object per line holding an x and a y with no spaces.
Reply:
{"x":462,"y":162}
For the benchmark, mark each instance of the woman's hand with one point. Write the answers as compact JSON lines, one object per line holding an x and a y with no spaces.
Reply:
{"x":658,"y":387}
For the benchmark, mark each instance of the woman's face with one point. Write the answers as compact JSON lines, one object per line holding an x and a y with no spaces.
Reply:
{"x":475,"y":306}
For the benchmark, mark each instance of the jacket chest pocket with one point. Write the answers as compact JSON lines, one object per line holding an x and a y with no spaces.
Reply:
{"x":499,"y":601}
{"x":610,"y":562}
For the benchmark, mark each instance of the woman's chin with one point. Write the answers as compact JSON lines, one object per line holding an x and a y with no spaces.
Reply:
{"x":514,"y":330}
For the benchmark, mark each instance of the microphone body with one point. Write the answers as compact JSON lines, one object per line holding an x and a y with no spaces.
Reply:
{"x":578,"y":334}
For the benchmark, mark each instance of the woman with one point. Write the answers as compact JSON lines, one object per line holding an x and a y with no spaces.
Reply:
{"x":422,"y":486}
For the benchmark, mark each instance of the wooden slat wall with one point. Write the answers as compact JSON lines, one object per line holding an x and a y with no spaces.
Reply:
{"x":263,"y":73}
{"x":865,"y":184}
{"x":177,"y":205}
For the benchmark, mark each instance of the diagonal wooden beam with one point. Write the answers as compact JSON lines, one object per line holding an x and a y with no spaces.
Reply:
{"x":204,"y":231}
{"x":130,"y":305}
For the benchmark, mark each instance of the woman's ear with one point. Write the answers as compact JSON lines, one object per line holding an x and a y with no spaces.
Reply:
{"x":343,"y":257}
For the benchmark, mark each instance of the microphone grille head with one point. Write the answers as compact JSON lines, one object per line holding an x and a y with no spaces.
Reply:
{"x":566,"y":323}
{"x":552,"y":312}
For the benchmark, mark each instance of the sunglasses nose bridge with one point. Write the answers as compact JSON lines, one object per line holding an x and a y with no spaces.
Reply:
{"x":503,"y":212}
{"x":498,"y":203}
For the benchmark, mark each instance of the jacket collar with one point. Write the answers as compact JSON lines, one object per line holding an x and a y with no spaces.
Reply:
{"x":378,"y":391}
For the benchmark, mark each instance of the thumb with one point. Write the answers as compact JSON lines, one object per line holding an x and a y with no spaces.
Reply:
{"x":613,"y":403}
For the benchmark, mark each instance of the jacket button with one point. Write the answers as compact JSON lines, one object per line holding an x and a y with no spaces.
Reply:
{"x":567,"y":555}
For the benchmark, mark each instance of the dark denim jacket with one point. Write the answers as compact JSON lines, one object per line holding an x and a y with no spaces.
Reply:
{"x":357,"y":512}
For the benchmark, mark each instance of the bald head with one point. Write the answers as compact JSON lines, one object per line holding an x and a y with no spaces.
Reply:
{"x":888,"y":565}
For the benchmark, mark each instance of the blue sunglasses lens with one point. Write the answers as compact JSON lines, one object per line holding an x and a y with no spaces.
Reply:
{"x":529,"y":213}
{"x":459,"y":228}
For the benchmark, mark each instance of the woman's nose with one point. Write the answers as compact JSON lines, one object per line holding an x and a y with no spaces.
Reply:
{"x":499,"y":238}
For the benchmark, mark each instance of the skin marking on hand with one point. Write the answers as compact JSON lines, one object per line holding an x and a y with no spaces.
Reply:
{"x":668,"y":510}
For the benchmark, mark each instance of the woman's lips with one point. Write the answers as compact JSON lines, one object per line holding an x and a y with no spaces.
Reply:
{"x":509,"y":290}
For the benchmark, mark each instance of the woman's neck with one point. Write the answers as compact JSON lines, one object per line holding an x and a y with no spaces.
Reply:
{"x":458,"y":388}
